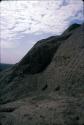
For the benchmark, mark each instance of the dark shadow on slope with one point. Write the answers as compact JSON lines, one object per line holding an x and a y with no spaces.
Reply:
{"x":74,"y":26}
{"x":40,"y":56}
{"x":45,"y":87}
{"x":8,"y":109}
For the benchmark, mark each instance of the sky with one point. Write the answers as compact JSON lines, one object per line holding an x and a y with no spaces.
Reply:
{"x":23,"y":23}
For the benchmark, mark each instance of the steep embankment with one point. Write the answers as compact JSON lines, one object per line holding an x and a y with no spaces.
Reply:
{"x":47,"y":84}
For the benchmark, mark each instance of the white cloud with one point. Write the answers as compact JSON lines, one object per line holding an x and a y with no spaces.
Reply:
{"x":5,"y":44}
{"x":19,"y":14}
{"x":36,"y":17}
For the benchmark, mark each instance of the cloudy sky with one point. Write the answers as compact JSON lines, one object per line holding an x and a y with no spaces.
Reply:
{"x":23,"y":23}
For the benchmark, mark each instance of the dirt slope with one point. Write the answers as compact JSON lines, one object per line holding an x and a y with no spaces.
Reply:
{"x":46,"y":86}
